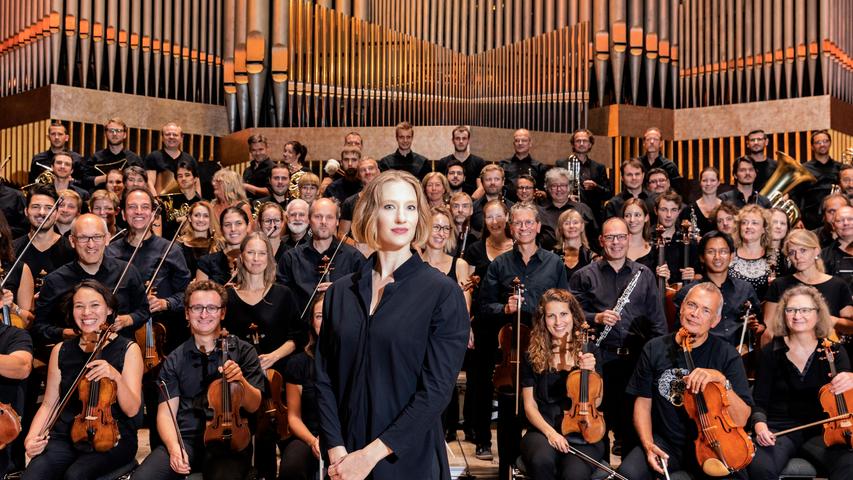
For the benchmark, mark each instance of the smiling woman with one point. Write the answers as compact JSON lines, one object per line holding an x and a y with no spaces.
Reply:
{"x":377,"y":416}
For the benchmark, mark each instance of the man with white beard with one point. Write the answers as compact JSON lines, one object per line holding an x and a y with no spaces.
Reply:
{"x":297,"y":223}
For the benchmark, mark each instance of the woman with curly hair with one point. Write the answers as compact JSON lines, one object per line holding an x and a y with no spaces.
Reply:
{"x":544,"y":448}
{"x":228,"y":192}
{"x":752,"y":245}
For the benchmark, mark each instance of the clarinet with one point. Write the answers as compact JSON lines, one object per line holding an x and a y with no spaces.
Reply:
{"x":623,"y":300}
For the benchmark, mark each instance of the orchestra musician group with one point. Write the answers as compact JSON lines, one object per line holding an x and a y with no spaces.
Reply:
{"x":292,"y":323}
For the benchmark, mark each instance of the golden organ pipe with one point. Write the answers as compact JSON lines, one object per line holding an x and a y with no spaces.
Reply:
{"x":256,"y":58}
{"x":241,"y":77}
{"x":71,"y":38}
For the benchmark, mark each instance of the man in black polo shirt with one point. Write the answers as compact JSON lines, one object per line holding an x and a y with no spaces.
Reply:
{"x":257,"y":173}
{"x":521,"y":163}
{"x":115,"y":156}
{"x":167,"y":158}
{"x":89,"y":237}
{"x":744,"y":192}
{"x":185,"y":377}
{"x":471,"y":164}
{"x":653,"y":158}
{"x":659,"y":382}
{"x":58,"y":137}
{"x":404,"y":158}
{"x":299,"y":268}
{"x":349,"y":184}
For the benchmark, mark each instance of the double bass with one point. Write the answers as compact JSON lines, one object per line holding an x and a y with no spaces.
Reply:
{"x":722,"y":447}
{"x":586,"y":389}
{"x":224,"y":398}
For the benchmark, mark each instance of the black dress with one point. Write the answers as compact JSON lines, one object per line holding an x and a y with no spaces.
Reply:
{"x":584,"y":257}
{"x":835,"y":291}
{"x":703,"y":223}
{"x":389,"y":374}
{"x":216,"y":266}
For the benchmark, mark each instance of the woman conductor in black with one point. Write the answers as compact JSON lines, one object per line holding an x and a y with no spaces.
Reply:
{"x":391,"y":345}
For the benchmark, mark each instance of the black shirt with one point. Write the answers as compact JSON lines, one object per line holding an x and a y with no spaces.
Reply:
{"x":585,"y":256}
{"x":341,"y":189}
{"x":275,"y":315}
{"x":348,"y":207}
{"x":703,"y":223}
{"x":736,"y":198}
{"x":515,"y":167}
{"x":478,"y":221}
{"x":664,"y":164}
{"x":811,"y":195}
{"x":472,"y":166}
{"x":300,"y":371}
{"x":271,"y":199}
{"x":613,"y":207}
{"x":173,"y":277}
{"x":216,"y":266}
{"x":13,"y":204}
{"x":550,"y":213}
{"x":43,"y":263}
{"x":258,"y":174}
{"x":50,"y":317}
{"x":597,"y":287}
{"x":188,"y":372}
{"x":835,"y":291}
{"x":170,"y":227}
{"x":592,"y":170}
{"x":544,"y":270}
{"x":786,"y":398}
{"x":412,"y":162}
{"x":389,"y":375}
{"x":838,"y":262}
{"x":46,"y":158}
{"x":735,"y":293}
{"x":298,"y":268}
{"x":763,"y":171}
{"x":13,"y":339}
{"x":106,"y":160}
{"x":658,"y":376}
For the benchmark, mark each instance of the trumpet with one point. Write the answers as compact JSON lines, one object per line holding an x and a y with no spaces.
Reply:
{"x":256,"y":209}
{"x":173,"y":213}
{"x":45,"y":178}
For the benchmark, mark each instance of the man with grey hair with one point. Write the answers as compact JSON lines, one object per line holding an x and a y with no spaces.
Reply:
{"x":297,"y":223}
{"x":89,"y":237}
{"x":558,"y":201}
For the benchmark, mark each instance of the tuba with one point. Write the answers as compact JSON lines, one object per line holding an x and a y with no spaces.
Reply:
{"x":789,"y":173}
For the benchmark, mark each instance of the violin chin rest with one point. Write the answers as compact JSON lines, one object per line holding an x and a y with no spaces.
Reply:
{"x":715,"y":468}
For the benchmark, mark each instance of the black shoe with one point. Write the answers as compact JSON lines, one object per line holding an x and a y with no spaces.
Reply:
{"x":616,"y":449}
{"x":483,"y":452}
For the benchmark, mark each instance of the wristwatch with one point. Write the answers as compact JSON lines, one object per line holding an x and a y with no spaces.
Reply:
{"x":728,"y":385}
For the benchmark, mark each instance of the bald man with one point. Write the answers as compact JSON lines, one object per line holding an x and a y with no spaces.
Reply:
{"x":521,"y":163}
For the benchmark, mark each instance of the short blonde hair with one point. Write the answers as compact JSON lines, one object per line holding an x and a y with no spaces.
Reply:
{"x":102,"y":194}
{"x":450,"y":245}
{"x":804,"y":238}
{"x":823,"y":327}
{"x":364,"y":224}
{"x":766,"y":240}
{"x":559,"y":228}
{"x":444,"y":183}
{"x":309,"y":178}
{"x":71,"y":194}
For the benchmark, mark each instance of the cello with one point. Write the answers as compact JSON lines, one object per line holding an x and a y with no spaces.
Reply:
{"x":586,"y":389}
{"x":838,"y":432}
{"x":224,"y":398}
{"x":722,"y":447}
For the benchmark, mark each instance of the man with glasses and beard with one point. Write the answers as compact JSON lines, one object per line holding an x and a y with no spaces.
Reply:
{"x":301,"y":268}
{"x":538,"y":270}
{"x":114,"y":156}
{"x":598,"y":286}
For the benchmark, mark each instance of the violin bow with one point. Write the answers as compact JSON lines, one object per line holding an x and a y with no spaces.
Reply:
{"x":518,"y":290}
{"x":30,"y":242}
{"x":162,"y":385}
{"x":325,"y":272}
{"x":599,"y":465}
{"x":118,"y":234}
{"x":165,"y":254}
{"x":747,"y":307}
{"x":136,"y":249}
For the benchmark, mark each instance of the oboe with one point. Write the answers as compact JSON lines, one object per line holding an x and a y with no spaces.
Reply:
{"x":623,"y":300}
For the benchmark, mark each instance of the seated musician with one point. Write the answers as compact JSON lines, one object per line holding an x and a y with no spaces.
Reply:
{"x":16,"y":361}
{"x":57,"y":443}
{"x":715,"y":250}
{"x":661,"y":378}
{"x":791,"y":372}
{"x":301,"y":452}
{"x":219,"y":266}
{"x":187,"y":373}
{"x":543,"y":379}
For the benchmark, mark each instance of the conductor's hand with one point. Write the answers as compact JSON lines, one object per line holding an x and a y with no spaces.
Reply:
{"x":354,"y":466}
{"x":607,"y":317}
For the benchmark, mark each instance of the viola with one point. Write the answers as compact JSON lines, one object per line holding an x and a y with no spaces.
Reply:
{"x":722,"y":447}
{"x":667,"y":294}
{"x":94,"y":428}
{"x":224,"y":398}
{"x":273,"y":411}
{"x":151,"y":337}
{"x":586,"y":389}
{"x":839,"y":432}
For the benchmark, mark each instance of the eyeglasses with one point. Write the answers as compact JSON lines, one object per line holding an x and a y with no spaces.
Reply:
{"x":115,"y":130}
{"x":441,"y":228}
{"x":89,"y":238}
{"x":799,"y":310}
{"x":619,"y":237}
{"x":198,"y":309}
{"x":524,"y":223}
{"x":271,"y":221}
{"x":559,"y":186}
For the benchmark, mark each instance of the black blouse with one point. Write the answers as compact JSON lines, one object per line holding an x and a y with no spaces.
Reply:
{"x":216,"y":266}
{"x":300,"y":371}
{"x":584,"y":258}
{"x":275,"y":315}
{"x":835,"y":291}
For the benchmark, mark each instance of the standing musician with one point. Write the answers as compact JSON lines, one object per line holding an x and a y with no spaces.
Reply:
{"x":114,"y":155}
{"x":187,"y":374}
{"x":378,"y":417}
{"x":258,"y":171}
{"x":54,"y":448}
{"x":544,"y":373}
{"x":166,"y":159}
{"x":16,"y":362}
{"x":538,"y":270}
{"x":471,"y":164}
{"x":521,"y":162}
{"x":667,"y":207}
{"x":594,"y":183}
{"x":90,"y":238}
{"x":278,"y":184}
{"x":49,"y":249}
{"x":715,"y":254}
{"x":302,"y":268}
{"x":660,"y":381}
{"x":597,"y":287}
{"x":301,"y":452}
{"x":789,"y":388}
{"x":188,"y":195}
{"x":200,"y":236}
{"x":57,"y":134}
{"x":219,"y":266}
{"x":263,"y":313}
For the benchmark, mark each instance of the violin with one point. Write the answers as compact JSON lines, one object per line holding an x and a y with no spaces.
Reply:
{"x":585,"y":389}
{"x":325,"y":267}
{"x":273,"y":411}
{"x":10,"y":318}
{"x":151,"y":337}
{"x":94,"y":428}
{"x":224,"y":398}
{"x":510,"y":364}
{"x":667,"y":294}
{"x":722,"y":447}
{"x":839,"y":432}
